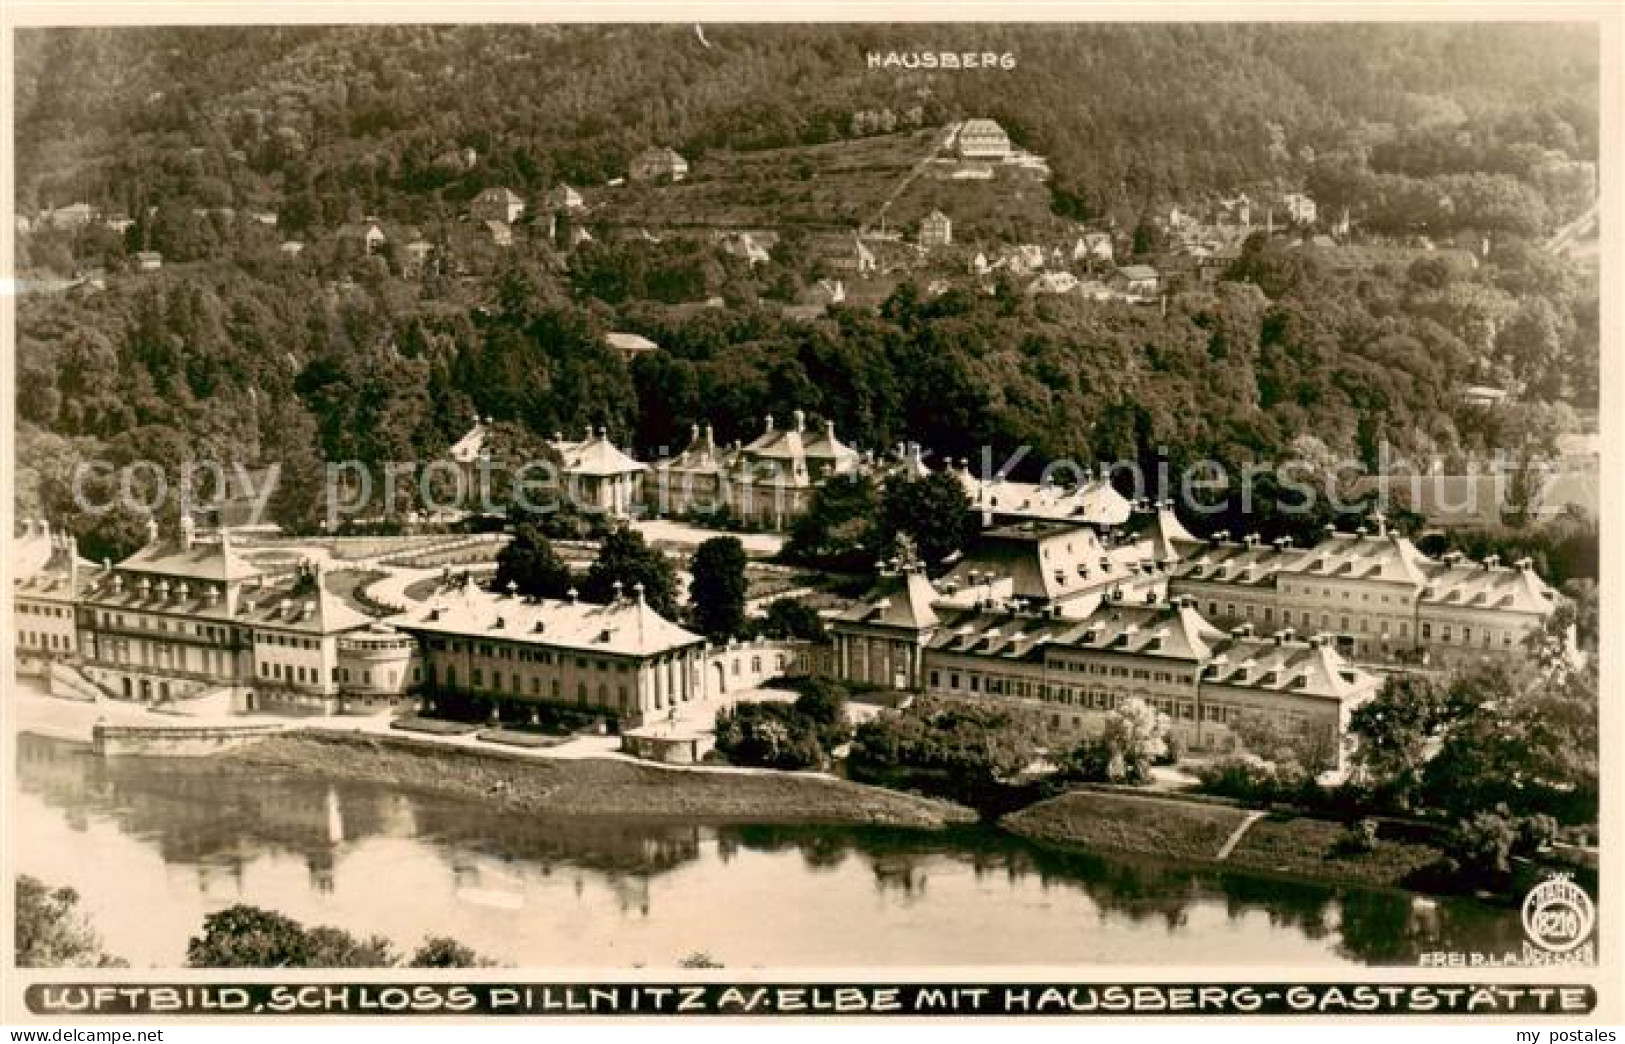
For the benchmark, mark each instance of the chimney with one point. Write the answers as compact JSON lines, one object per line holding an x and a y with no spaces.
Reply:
{"x":188,"y":531}
{"x":801,"y":420}
{"x":769,"y":422}
{"x":571,"y":595}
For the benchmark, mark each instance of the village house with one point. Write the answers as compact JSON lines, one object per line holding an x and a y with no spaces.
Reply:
{"x":497,"y":204}
{"x":73,"y":216}
{"x":148,"y":260}
{"x":657,"y":165}
{"x":499,"y":233}
{"x":1093,"y":248}
{"x":1050,"y":283}
{"x":936,"y":230}
{"x":364,"y":237}
{"x":630,"y":345}
{"x":1300,"y":209}
{"x":1137,"y":283}
{"x":563,"y":197}
{"x":415,"y":257}
{"x":291,"y":249}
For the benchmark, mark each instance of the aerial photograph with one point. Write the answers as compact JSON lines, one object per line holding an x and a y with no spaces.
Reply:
{"x":636,"y":498}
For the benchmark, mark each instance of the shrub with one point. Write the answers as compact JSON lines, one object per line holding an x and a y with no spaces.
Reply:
{"x":1241,"y":776}
{"x":1360,"y":838}
{"x":769,"y":735}
{"x":1482,"y":847}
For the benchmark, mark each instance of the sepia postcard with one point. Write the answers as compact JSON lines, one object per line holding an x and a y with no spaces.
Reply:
{"x":523,"y":513}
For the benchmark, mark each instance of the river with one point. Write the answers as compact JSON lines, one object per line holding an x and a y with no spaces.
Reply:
{"x":154,"y":845}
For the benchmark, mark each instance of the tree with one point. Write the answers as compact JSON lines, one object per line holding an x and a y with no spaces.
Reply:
{"x":440,"y":951}
{"x":244,"y":936}
{"x":934,"y":512}
{"x":792,"y":619}
{"x":530,"y":563}
{"x":51,"y":931}
{"x":966,"y":753}
{"x":626,"y":558}
{"x":328,"y":947}
{"x":1135,"y":736}
{"x":717,"y":588}
{"x":1397,"y":731}
{"x":248,"y":937}
{"x":824,"y":703}
{"x":298,"y":502}
{"x":838,"y":526}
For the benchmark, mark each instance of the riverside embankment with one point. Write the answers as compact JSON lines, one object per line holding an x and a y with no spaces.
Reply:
{"x":593,"y":786}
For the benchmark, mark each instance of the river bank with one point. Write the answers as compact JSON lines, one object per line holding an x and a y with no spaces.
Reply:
{"x":1273,"y":843}
{"x":593,"y":786}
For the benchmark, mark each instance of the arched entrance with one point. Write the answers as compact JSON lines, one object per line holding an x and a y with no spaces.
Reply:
{"x":722,"y":677}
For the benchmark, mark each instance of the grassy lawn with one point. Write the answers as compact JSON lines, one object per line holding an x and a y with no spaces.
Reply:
{"x":1128,"y":823}
{"x":515,"y":738}
{"x":433,"y":726}
{"x":1311,"y":848}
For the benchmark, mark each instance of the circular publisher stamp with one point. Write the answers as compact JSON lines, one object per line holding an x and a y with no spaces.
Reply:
{"x":1558,"y":915}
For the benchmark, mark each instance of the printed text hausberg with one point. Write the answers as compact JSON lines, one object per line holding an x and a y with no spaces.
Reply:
{"x":941,"y":60}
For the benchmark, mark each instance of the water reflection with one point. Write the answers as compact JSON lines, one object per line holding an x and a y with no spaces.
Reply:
{"x":959,"y":896}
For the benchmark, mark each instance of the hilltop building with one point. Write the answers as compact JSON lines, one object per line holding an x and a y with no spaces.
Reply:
{"x":982,"y":139}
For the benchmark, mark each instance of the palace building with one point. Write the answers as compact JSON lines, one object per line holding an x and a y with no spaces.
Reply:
{"x":1064,"y":674}
{"x":598,"y":476}
{"x":1381,"y":597}
{"x":623,"y":660}
{"x":193,"y":616}
{"x":767,"y":483}
{"x":1067,"y":567}
{"x":47,"y":574}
